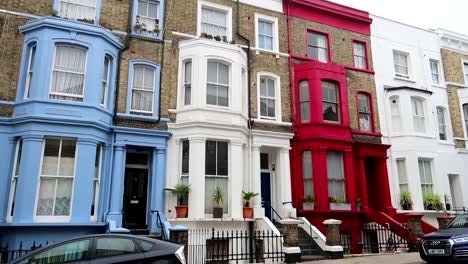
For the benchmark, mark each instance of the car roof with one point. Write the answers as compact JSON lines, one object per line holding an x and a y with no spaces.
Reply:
{"x":163,"y":247}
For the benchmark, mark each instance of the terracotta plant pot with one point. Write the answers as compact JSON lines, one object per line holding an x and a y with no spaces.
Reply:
{"x":181,"y":211}
{"x":248,"y":212}
{"x":217,"y":212}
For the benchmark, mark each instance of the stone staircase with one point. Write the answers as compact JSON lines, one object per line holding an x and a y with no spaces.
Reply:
{"x":309,"y":249}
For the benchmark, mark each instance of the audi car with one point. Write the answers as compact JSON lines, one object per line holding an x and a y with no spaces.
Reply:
{"x":107,"y":248}
{"x":448,"y":245}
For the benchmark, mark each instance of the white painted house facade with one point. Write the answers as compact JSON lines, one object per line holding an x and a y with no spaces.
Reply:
{"x":414,"y":115}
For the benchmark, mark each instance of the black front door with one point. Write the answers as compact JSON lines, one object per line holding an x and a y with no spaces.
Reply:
{"x":135,"y":198}
{"x":266,"y":193}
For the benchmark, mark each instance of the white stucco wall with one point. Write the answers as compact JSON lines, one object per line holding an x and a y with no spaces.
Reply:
{"x":421,"y":46}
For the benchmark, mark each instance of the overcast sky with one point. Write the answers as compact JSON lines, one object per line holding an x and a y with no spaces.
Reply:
{"x":427,"y":14}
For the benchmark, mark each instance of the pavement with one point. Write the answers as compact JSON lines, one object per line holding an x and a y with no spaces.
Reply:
{"x":398,"y":258}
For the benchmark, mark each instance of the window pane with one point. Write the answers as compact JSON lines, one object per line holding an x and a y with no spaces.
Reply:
{"x":304,"y":98}
{"x":109,"y":247}
{"x":223,"y":74}
{"x":210,"y":158}
{"x":148,"y":83}
{"x":67,"y":160}
{"x":211,"y":94}
{"x":330,"y":112}
{"x":307,"y":173}
{"x":264,"y":161}
{"x":364,"y":103}
{"x":263,"y":87}
{"x":138,"y":72}
{"x":18,"y":157}
{"x":330,"y":92}
{"x":401,"y":168}
{"x":70,"y":252}
{"x":50,"y":159}
{"x":185,"y":156}
{"x":153,"y":10}
{"x":263,"y":107}
{"x":222,"y":158}
{"x":63,"y":198}
{"x":45,"y":201}
{"x":271,"y":87}
{"x":142,"y":8}
{"x":188,"y":72}
{"x":97,"y":161}
{"x":142,"y":101}
{"x":223,"y":96}
{"x":336,"y":184}
{"x":212,"y":72}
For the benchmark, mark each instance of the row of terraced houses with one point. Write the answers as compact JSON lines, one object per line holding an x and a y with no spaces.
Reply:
{"x":105,"y":103}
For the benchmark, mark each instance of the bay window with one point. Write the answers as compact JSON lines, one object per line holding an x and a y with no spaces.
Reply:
{"x":56,"y":179}
{"x":307,"y":173}
{"x":142,"y":90}
{"x":30,"y":70}
{"x":188,"y":82}
{"x":304,"y":100}
{"x":418,"y":114}
{"x":14,"y":179}
{"x":77,"y":9}
{"x":365,"y":114}
{"x":335,"y":173}
{"x":330,"y":103}
{"x":318,"y":46}
{"x":105,"y":81}
{"x":217,"y":90}
{"x":216,"y":172}
{"x":96,"y":182}
{"x":69,"y":72}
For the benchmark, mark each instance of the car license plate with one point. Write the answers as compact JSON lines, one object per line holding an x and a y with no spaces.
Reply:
{"x":436,"y":251}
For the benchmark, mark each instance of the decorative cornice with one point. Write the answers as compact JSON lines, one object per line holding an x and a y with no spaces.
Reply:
{"x":453,"y":40}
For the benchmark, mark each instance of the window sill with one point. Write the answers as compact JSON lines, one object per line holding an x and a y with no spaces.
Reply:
{"x":404,"y":79}
{"x":147,"y":36}
{"x":366,"y":133}
{"x":438,"y":85}
{"x":271,"y":122}
{"x":142,"y":117}
{"x":421,"y":135}
{"x":446,"y":142}
{"x":273,"y":52}
{"x":352,"y":68}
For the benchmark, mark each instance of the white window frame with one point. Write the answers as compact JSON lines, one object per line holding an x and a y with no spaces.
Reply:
{"x":423,"y":175}
{"x":337,"y":103}
{"x":106,"y":81}
{"x":29,"y":70}
{"x":148,"y":17}
{"x":442,"y":125}
{"x":395,"y":115}
{"x":81,"y":97}
{"x":333,"y":178}
{"x":405,"y":176}
{"x":356,"y":56}
{"x":274,"y":21}
{"x":14,"y":182}
{"x":230,"y":81}
{"x":304,"y":101}
{"x":49,"y":218}
{"x":185,"y":84}
{"x":216,"y":176}
{"x":78,"y":4}
{"x":408,"y":65}
{"x":97,"y":183}
{"x":420,"y":116}
{"x":209,"y":5}
{"x":435,"y":73}
{"x":277,"y":98}
{"x":308,"y":179}
{"x":137,"y":89}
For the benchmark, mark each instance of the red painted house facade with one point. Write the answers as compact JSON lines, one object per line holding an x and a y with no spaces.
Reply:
{"x":337,"y":156}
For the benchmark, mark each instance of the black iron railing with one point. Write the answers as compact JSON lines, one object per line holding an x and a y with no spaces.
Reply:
{"x":274,"y":214}
{"x":160,"y":225}
{"x":8,"y":253}
{"x":373,"y":238}
{"x":234,"y":246}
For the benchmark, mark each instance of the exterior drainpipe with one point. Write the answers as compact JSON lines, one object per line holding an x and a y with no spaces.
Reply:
{"x":249,"y":102}
{"x":292,"y":95}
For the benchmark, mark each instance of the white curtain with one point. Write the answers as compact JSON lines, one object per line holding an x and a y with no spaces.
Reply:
{"x":213,"y":22}
{"x":188,"y":83}
{"x":265,"y":35}
{"x":335,"y":172}
{"x":148,"y":13}
{"x":364,"y":112}
{"x":143,"y":88}
{"x":305,"y":100}
{"x":402,"y":178}
{"x":45,"y":202}
{"x":425,"y":175}
{"x":359,"y":55}
{"x":77,"y":9}
{"x":307,"y":173}
{"x":69,"y":70}
{"x":218,"y":84}
{"x":418,"y":115}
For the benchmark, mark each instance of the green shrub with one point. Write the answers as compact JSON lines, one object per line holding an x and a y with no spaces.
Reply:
{"x":406,"y":202}
{"x":433,"y":202}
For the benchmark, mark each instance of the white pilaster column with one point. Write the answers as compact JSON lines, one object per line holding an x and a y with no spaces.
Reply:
{"x":256,"y":182}
{"x":236,"y":178}
{"x":197,"y":177}
{"x":285,"y":184}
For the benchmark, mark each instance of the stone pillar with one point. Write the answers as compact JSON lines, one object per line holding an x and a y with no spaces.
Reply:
{"x":292,"y":252}
{"x":363,"y":185}
{"x":84,"y":181}
{"x":117,"y":187}
{"x":415,"y":231}
{"x":197,"y":178}
{"x":158,"y":183}
{"x":237,"y":169}
{"x":333,"y":248}
{"x":256,"y":183}
{"x":28,"y":180}
{"x":385,"y":184}
{"x":179,"y":235}
{"x":349,"y":178}
{"x":443,"y":221}
{"x":320,"y":179}
{"x":284,"y":177}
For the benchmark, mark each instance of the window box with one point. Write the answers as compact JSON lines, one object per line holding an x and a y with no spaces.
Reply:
{"x":340,"y":206}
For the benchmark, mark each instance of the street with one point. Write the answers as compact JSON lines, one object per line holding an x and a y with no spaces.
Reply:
{"x":403,"y":258}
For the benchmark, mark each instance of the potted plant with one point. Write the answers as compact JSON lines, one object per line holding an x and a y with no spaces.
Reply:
{"x":308,"y":202}
{"x":180,"y":191}
{"x":406,"y":202}
{"x":339,"y":204}
{"x":448,"y":206}
{"x":247,"y":210}
{"x":432,"y":202}
{"x":217,"y":38}
{"x":359,"y":203}
{"x":218,"y":200}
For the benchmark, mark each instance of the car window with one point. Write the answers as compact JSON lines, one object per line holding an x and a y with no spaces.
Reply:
{"x":111,"y":246}
{"x":460,"y":221}
{"x":66,"y":253}
{"x":145,"y":246}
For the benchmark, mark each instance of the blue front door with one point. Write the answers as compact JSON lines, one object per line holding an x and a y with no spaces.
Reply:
{"x":266,"y":193}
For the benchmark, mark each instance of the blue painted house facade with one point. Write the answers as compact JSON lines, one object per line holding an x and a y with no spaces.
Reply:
{"x":84,"y":145}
